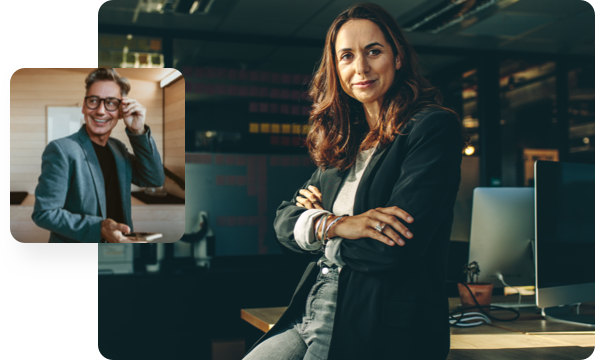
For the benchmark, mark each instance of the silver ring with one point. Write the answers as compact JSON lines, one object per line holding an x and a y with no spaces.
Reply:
{"x":379,"y":227}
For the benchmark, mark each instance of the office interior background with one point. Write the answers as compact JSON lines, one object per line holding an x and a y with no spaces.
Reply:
{"x":519,"y":73}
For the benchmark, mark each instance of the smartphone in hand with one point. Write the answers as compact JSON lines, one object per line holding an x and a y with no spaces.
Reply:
{"x":144,"y":236}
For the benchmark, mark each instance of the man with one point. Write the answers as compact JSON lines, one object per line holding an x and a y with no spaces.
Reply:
{"x":83,"y":194}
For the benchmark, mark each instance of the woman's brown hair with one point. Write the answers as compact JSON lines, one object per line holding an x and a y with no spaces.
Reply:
{"x":338,"y":128}
{"x":108,"y":74}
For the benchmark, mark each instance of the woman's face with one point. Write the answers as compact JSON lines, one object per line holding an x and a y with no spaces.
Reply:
{"x":365,"y":61}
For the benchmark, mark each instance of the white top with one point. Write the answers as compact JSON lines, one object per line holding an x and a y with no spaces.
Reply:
{"x":343,"y":205}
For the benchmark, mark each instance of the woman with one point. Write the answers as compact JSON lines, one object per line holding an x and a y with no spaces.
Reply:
{"x":388,"y":157}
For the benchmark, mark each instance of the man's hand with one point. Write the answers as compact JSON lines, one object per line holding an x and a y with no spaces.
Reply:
{"x":133,"y":114}
{"x":113,"y":232}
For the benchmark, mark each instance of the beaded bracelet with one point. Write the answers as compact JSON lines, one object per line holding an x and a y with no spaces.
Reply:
{"x":324,"y":236}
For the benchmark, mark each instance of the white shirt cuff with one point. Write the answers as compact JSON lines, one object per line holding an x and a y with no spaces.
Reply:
{"x":332,"y":251}
{"x":304,"y":228}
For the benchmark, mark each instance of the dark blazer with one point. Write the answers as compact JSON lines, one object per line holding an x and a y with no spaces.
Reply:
{"x":392,"y":301}
{"x":70,"y":194}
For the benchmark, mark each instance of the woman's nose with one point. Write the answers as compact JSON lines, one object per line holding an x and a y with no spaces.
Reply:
{"x":361,"y":65}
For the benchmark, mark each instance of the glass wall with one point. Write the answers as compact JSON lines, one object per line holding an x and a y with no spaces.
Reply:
{"x":581,"y":113}
{"x":528,"y":118}
{"x":460,"y":95}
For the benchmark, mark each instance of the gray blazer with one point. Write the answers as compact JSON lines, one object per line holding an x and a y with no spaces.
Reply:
{"x":70,"y":195}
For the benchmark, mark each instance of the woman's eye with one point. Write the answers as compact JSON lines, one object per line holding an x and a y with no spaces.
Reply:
{"x":345,"y":56}
{"x":377,"y":52}
{"x":374,"y":52}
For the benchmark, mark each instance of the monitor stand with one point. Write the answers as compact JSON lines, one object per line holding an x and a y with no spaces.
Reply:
{"x":515,"y":304}
{"x":565,"y":314}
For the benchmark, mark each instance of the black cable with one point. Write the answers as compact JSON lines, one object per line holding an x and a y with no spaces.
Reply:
{"x":480,"y":307}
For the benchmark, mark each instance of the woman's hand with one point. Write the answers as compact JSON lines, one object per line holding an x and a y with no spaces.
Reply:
{"x":364,"y":226}
{"x":310,"y":199}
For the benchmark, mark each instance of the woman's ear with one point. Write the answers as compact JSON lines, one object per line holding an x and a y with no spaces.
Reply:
{"x":397,"y":62}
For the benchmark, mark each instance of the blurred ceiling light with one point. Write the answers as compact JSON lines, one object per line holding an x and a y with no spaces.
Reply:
{"x":470,"y":122}
{"x":449,"y":13}
{"x":172,"y":6}
{"x":469,"y":150}
{"x":193,"y":6}
{"x":586,"y":140}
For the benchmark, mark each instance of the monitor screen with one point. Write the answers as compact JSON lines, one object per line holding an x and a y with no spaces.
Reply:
{"x":565,"y":223}
{"x":502,"y":233}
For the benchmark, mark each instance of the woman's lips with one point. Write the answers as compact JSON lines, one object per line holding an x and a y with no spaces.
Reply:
{"x":364,"y":84}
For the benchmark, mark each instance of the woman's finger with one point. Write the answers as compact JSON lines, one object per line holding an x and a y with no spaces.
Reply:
{"x":393,"y":235}
{"x":316,"y":192}
{"x":310,"y":196}
{"x":398,"y":212}
{"x":391,"y":221}
{"x":305,"y":202}
{"x":373,"y":234}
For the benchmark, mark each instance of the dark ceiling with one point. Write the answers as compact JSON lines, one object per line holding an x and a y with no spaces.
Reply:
{"x":527,"y":26}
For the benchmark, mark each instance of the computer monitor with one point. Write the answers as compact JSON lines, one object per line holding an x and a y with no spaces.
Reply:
{"x":565,"y":237}
{"x":502,"y":233}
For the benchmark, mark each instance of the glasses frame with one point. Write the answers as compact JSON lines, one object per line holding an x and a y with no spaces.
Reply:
{"x":102,"y":100}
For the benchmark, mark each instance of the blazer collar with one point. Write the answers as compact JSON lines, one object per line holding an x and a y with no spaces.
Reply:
{"x":93,"y":163}
{"x":331,"y":179}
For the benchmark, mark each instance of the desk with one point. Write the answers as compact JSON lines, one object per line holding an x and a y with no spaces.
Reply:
{"x":529,"y":337}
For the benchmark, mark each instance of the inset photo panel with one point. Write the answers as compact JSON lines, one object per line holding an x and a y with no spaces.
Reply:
{"x":97,"y":155}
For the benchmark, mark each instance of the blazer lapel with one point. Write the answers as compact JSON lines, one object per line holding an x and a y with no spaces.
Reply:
{"x":94,"y":167}
{"x":363,"y":187}
{"x":332,"y":178}
{"x":330,"y":181}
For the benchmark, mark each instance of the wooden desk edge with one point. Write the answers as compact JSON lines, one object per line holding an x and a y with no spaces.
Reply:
{"x":255,"y":321}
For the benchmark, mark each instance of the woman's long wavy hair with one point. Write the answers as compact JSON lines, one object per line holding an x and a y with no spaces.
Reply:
{"x":338,"y":127}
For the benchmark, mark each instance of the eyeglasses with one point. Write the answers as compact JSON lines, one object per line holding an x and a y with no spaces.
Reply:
{"x":111,"y":103}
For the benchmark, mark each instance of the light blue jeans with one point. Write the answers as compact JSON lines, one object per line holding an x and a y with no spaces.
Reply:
{"x":308,"y":337}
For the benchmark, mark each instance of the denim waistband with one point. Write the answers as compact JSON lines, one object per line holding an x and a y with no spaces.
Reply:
{"x":328,"y":273}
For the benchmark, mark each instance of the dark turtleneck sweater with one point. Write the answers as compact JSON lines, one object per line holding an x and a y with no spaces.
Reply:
{"x":113,"y":200}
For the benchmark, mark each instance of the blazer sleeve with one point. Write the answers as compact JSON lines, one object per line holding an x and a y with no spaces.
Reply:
{"x":147,"y":169}
{"x":50,"y":198}
{"x":426,"y":188}
{"x":288,"y":214}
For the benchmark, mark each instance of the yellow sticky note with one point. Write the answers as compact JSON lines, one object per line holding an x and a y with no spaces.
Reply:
{"x":254,"y":128}
{"x":265,"y":128}
{"x":296,"y":129}
{"x":275,"y":128}
{"x":286,"y":128}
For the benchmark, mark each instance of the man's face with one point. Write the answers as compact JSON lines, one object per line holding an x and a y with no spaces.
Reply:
{"x":101,"y":121}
